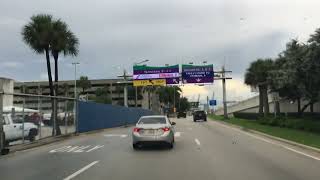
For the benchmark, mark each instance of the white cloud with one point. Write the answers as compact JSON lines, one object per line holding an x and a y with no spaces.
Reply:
{"x":118,"y":33}
{"x":8,"y":64}
{"x":44,"y":76}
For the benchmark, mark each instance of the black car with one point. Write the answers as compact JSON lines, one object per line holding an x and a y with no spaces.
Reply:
{"x":199,"y":115}
{"x":181,"y":114}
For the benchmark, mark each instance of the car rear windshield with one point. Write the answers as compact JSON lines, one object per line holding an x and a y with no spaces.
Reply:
{"x":152,"y":120}
{"x":200,"y":112}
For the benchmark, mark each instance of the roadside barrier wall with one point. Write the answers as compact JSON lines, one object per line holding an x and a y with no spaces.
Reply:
{"x":95,"y":116}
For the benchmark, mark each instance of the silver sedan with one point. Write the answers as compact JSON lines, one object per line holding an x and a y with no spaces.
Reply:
{"x":153,"y":130}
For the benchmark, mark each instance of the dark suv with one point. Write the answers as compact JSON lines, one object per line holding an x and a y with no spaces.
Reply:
{"x":181,"y":114}
{"x":199,"y":115}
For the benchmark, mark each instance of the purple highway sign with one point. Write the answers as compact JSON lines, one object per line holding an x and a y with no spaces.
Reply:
{"x":170,"y":73}
{"x":197,"y":74}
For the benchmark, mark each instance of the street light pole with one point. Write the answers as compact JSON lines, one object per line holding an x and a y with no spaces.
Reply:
{"x":125,"y":90}
{"x":75,"y":90}
{"x":75,"y":78}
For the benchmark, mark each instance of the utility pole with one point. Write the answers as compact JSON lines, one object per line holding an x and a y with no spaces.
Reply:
{"x":223,"y":77}
{"x":136,"y":87}
{"x":207,"y":108}
{"x":225,"y":111}
{"x":174,"y":99}
{"x":125,"y":77}
{"x":213,"y":99}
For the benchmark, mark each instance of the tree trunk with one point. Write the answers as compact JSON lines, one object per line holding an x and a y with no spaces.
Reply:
{"x":311,"y":107}
{"x":49,"y":72}
{"x":50,"y":86}
{"x":299,"y":106}
{"x":265,"y":101}
{"x":305,"y":107}
{"x":277,"y":104}
{"x":149,"y":103}
{"x":260,"y":101}
{"x":56,"y":79}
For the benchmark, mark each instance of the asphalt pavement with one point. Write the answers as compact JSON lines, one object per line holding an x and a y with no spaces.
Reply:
{"x":203,"y":150}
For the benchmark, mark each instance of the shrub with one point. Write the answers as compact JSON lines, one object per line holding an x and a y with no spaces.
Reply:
{"x":243,"y":115}
{"x":301,"y":124}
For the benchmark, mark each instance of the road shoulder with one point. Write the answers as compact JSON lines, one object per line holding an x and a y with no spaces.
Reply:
{"x":301,"y":147}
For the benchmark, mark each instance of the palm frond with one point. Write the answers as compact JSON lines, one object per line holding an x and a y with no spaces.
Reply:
{"x":37,"y":32}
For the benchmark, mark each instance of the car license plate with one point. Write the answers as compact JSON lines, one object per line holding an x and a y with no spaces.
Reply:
{"x":148,"y":132}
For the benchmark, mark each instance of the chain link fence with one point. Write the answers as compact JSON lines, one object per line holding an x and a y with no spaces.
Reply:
{"x":34,"y":117}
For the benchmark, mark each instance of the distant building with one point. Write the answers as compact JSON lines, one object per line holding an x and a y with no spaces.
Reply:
{"x":114,"y":87}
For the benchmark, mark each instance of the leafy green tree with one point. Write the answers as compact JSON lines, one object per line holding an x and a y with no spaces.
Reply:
{"x":184,"y":104}
{"x":119,"y":91}
{"x":286,"y":77}
{"x":311,"y":68}
{"x":102,"y":96}
{"x":167,"y":94}
{"x":257,"y":76}
{"x":84,"y":83}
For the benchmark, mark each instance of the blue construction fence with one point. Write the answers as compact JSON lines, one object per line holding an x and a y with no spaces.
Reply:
{"x":95,"y":116}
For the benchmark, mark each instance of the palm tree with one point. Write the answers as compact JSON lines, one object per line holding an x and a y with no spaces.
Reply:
{"x":63,"y":40}
{"x":257,"y":76}
{"x":37,"y":34}
{"x":149,"y":90}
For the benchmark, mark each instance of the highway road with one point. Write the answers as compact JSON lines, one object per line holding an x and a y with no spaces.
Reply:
{"x":203,"y":150}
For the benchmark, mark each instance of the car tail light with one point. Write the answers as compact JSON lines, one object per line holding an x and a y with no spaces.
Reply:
{"x":166,"y":129}
{"x":136,"y":129}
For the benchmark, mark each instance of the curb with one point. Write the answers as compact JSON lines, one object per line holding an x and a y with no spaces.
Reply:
{"x":49,"y":140}
{"x":271,"y":137}
{"x":45,"y":141}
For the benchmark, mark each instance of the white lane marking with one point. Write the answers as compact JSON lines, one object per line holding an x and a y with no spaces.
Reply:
{"x":60,"y":149}
{"x":124,"y":135}
{"x":73,"y":148}
{"x":197,"y":141}
{"x":116,"y":135}
{"x":81,"y":149}
{"x":189,"y":128}
{"x":177,"y":134}
{"x":302,"y":153}
{"x":76,"y":149}
{"x":271,"y":142}
{"x":96,"y":147}
{"x":81,"y":170}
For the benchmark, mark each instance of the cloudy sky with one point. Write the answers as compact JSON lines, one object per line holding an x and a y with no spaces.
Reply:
{"x":116,"y":33}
